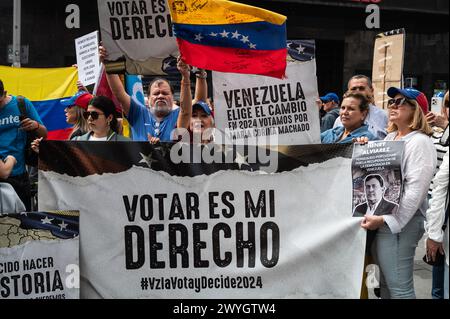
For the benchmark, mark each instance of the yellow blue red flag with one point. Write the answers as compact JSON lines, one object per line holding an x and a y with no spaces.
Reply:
{"x":45,"y":88}
{"x":226,"y":36}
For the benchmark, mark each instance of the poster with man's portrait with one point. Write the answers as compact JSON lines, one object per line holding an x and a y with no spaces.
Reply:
{"x":377,"y":177}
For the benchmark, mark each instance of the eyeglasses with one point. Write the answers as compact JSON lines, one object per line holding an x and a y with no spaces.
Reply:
{"x":395,"y":103}
{"x":92,"y":114}
{"x":358,"y":88}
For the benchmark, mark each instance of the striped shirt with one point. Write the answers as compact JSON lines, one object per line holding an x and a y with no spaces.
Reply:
{"x":440,"y":150}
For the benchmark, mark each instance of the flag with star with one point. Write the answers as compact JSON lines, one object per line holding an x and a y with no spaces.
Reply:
{"x":62,"y":224}
{"x":301,"y":50}
{"x":226,"y":36}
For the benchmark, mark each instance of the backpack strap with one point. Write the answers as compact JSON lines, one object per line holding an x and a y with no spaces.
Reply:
{"x":21,"y":105}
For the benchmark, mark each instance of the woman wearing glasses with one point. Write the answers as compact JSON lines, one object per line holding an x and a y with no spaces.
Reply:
{"x":102,"y":121}
{"x":74,"y":109}
{"x":399,"y":233}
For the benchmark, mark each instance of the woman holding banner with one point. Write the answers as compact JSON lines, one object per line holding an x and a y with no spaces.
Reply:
{"x":399,"y":233}
{"x":354,"y":109}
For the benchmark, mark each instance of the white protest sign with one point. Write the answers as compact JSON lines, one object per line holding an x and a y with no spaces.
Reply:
{"x":251,"y":109}
{"x":138,"y":32}
{"x":87,"y":58}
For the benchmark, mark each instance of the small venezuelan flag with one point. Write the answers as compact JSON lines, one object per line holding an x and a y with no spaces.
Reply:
{"x":45,"y":88}
{"x":226,"y":36}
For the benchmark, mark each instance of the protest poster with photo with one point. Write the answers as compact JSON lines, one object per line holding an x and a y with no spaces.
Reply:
{"x":39,"y":255}
{"x":252,"y":109}
{"x":158,"y":224}
{"x":377,"y":177}
{"x":88,"y":63}
{"x":138,"y":36}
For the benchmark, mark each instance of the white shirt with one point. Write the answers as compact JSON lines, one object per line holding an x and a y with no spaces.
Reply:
{"x":419,"y":162}
{"x":92,"y":138}
{"x":436,"y":213}
{"x":369,"y":211}
{"x":376,"y":119}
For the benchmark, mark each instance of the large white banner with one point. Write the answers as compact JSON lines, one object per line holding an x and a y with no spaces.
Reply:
{"x":252,"y":109}
{"x":137,"y":32}
{"x":151,"y":228}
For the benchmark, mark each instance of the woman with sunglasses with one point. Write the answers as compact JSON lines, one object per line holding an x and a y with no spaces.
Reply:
{"x":74,"y":109}
{"x":399,"y":233}
{"x":353,"y":112}
{"x":102,"y":121}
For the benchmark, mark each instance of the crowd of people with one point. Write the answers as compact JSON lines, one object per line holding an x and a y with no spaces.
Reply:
{"x":354,"y":118}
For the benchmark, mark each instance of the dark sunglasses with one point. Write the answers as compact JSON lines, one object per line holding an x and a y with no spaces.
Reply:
{"x":92,"y":114}
{"x":397,"y":102}
{"x":358,"y":88}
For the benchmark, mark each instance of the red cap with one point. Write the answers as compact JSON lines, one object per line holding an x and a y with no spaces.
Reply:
{"x":83,"y":100}
{"x":423,"y":102}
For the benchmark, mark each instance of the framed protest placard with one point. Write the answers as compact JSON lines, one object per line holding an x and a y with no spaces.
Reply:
{"x":88,"y":63}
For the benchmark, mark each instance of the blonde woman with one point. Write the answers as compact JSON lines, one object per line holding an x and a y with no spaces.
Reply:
{"x":399,"y":233}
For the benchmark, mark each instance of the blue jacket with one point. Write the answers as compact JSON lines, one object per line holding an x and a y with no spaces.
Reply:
{"x":333,"y":135}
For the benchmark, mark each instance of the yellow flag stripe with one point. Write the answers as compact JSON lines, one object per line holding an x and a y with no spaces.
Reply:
{"x":219,"y":12}
{"x":40,"y":84}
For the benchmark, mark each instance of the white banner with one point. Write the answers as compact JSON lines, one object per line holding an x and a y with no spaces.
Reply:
{"x":227,"y":234}
{"x":251,"y":109}
{"x":138,"y":31}
{"x":88,"y":63}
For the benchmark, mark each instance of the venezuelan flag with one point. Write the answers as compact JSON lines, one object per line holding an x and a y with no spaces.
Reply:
{"x":45,"y":88}
{"x":227,"y":36}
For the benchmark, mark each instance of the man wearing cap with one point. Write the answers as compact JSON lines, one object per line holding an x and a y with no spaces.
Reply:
{"x":377,"y":119}
{"x":330,"y":106}
{"x":13,"y":140}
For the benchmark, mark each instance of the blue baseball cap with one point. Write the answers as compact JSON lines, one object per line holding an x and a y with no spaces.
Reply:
{"x":411,"y":94}
{"x":204,"y":106}
{"x":329,"y":97}
{"x":81,"y":99}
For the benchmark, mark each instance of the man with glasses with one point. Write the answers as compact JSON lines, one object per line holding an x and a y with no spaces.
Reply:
{"x":377,"y":119}
{"x":13,"y":140}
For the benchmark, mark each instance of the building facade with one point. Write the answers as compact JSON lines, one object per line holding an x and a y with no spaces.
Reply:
{"x":344,"y":43}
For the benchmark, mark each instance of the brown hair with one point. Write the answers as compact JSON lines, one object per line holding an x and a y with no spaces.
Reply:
{"x":363,"y":100}
{"x":418,"y":122}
